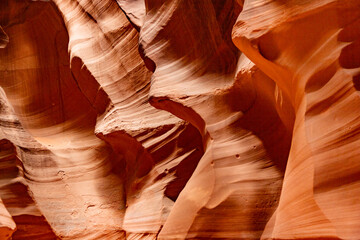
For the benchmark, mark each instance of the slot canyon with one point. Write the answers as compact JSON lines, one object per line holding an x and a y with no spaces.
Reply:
{"x":179,"y":119}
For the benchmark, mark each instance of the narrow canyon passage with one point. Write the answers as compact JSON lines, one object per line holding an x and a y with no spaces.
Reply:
{"x":178,"y":119}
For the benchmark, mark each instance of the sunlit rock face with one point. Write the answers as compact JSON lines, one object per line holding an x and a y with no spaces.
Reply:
{"x":152,"y":119}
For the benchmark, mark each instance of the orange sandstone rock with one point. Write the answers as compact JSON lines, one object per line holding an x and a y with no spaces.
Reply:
{"x":152,"y":119}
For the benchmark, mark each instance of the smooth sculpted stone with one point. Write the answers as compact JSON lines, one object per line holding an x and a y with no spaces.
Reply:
{"x":179,"y":119}
{"x":311,"y":51}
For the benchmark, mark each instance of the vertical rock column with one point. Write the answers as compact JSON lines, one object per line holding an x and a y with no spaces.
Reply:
{"x":310,"y":49}
{"x":153,"y":154}
{"x":68,"y":169}
{"x":200,"y":77}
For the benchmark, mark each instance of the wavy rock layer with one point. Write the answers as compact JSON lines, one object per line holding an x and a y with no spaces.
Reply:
{"x":151,"y":119}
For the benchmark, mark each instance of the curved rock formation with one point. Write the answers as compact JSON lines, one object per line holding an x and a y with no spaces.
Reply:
{"x":152,"y":119}
{"x":311,"y":52}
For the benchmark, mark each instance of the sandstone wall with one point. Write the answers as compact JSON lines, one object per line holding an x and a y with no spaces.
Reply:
{"x":179,"y":119}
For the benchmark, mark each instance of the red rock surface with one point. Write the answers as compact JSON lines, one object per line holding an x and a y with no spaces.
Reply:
{"x":152,"y":119}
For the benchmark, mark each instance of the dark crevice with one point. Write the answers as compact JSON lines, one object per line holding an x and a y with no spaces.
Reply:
{"x":91,"y":17}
